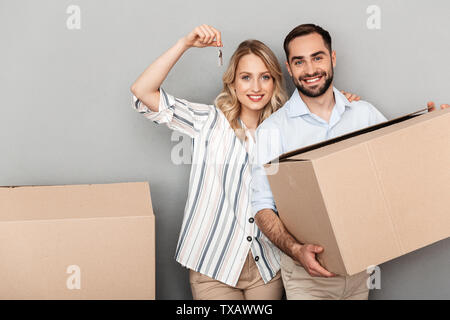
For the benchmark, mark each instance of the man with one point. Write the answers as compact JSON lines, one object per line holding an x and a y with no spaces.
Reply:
{"x":315,"y":112}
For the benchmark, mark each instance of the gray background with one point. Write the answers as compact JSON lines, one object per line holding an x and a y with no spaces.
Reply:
{"x":66,"y":115}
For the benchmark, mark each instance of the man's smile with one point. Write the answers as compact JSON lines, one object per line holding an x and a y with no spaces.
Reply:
{"x":312,"y":80}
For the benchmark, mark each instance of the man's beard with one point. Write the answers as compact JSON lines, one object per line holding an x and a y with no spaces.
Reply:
{"x":315,"y":92}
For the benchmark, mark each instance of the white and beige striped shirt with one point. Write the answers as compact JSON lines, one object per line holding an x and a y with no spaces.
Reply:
{"x":218,"y":228}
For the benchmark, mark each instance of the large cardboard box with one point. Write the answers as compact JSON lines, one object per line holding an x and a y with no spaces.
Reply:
{"x":370,"y":196}
{"x":77,"y":242}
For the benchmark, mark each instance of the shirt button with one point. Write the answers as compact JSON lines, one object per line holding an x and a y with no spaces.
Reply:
{"x":251,"y":220}
{"x":249,"y":239}
{"x":256,"y":258}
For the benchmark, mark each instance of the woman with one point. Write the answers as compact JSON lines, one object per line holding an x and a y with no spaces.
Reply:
{"x":228,"y":256}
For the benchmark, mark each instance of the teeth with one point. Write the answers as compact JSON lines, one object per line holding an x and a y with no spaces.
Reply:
{"x":313,"y":80}
{"x":255,"y":97}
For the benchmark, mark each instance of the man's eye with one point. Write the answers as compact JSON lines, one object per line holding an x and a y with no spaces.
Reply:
{"x":298,"y":62}
{"x":317,"y":58}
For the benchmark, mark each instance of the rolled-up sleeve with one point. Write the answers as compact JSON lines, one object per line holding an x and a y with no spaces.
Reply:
{"x":178,"y":114}
{"x":268,"y":148}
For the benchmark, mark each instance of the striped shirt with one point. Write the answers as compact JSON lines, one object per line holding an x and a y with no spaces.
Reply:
{"x":218,"y":228}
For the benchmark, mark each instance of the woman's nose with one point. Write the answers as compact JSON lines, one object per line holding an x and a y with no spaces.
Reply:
{"x":256,"y":86}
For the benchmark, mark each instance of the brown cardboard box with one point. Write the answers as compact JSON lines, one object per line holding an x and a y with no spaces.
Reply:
{"x":370,"y":196}
{"x":77,"y":242}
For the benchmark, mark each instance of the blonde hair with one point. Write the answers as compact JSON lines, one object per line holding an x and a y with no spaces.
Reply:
{"x":227,"y":100}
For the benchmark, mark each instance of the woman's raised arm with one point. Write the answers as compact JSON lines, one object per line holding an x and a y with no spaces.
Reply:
{"x":146,"y":87}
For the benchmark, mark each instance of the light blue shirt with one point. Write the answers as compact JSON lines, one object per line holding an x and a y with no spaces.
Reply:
{"x":294,"y":126}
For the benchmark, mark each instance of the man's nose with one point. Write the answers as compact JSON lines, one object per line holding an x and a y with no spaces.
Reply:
{"x":309,"y":69}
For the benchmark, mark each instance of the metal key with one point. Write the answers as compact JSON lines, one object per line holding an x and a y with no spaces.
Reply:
{"x":220,"y":61}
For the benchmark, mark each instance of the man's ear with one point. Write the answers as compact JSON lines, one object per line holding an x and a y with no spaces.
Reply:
{"x":333,"y":58}
{"x":288,"y":68}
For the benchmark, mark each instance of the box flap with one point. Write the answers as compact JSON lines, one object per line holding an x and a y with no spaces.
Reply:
{"x":75,"y":201}
{"x":320,"y":149}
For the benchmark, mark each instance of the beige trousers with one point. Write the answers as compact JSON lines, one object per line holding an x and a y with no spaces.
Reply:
{"x":249,"y":287}
{"x":299,"y":285}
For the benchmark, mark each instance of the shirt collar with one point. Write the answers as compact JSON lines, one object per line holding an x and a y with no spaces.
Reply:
{"x":296,"y":106}
{"x":341,"y":101}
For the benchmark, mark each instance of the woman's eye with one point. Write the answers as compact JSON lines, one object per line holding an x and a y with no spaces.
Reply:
{"x":245,"y":78}
{"x":266,"y":77}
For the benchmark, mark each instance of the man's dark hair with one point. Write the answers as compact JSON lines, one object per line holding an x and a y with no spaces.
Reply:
{"x":303,"y":30}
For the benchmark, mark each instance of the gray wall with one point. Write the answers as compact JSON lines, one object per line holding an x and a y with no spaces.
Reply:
{"x":66,"y":114}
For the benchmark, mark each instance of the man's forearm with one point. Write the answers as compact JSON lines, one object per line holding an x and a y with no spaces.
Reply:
{"x":270,"y":224}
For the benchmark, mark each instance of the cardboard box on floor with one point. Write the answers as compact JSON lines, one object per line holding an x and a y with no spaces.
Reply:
{"x":77,"y":242}
{"x":370,"y":196}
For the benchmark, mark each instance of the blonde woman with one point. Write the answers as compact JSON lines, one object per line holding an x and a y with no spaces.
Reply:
{"x":228,"y":256}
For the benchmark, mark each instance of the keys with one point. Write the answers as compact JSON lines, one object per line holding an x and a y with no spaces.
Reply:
{"x":220,"y":61}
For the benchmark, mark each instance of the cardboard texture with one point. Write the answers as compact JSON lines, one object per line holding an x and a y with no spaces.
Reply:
{"x":77,"y":242}
{"x":370,"y":196}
